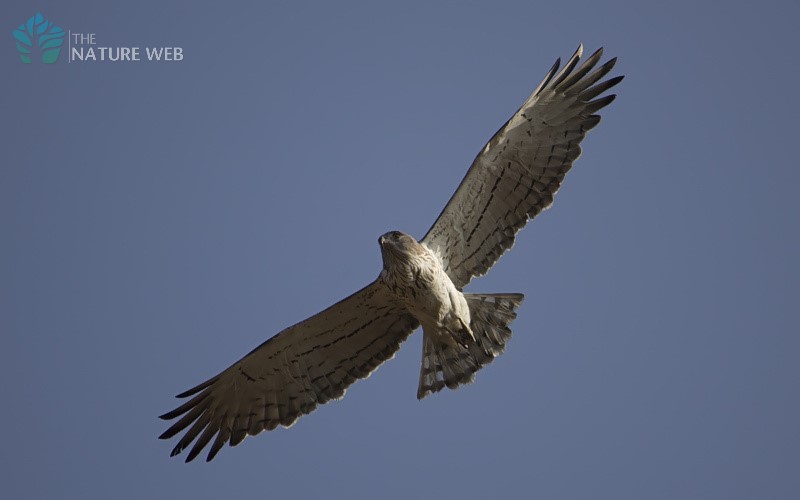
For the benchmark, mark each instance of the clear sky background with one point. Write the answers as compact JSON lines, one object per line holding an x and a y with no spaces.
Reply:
{"x":160,"y":220}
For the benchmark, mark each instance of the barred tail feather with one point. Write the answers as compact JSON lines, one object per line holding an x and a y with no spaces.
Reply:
{"x":445,"y":365}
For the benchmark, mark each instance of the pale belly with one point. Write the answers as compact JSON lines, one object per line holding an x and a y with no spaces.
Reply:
{"x":430,"y":296}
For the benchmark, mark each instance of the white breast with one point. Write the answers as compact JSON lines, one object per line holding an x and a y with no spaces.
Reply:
{"x":428,"y":293}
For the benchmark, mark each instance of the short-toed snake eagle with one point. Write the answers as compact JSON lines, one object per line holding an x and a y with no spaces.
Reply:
{"x":513,"y":178}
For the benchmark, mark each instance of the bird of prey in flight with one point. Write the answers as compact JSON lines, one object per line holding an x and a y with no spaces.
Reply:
{"x":513,"y":178}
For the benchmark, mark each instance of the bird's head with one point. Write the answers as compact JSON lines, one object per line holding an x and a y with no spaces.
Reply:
{"x":396,"y":247}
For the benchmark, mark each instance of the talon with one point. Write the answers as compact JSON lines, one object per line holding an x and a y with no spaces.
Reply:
{"x":466,"y":329}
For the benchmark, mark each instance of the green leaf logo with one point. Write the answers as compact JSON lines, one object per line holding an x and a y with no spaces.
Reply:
{"x":39,"y":36}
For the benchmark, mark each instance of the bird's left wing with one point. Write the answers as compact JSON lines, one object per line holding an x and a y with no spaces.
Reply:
{"x":290,"y":374}
{"x":517,"y":173}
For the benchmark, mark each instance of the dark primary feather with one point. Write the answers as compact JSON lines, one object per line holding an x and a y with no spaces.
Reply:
{"x":287,"y":376}
{"x":517,"y":173}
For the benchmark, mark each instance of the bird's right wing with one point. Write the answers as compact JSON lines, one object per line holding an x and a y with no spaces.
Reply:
{"x":290,"y":374}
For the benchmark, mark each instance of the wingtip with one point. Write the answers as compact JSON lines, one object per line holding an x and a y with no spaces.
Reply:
{"x":547,"y":78}
{"x":185,"y":394}
{"x":192,"y":455}
{"x":194,"y":390}
{"x":614,"y":81}
{"x":171,"y":414}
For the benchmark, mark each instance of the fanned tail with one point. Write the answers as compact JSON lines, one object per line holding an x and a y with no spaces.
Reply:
{"x":446,"y":365}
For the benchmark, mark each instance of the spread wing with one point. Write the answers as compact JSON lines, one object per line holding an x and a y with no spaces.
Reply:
{"x":516,"y":174}
{"x":290,"y":374}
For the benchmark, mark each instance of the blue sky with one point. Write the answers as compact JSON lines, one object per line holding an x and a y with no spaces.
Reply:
{"x":159,"y":220}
